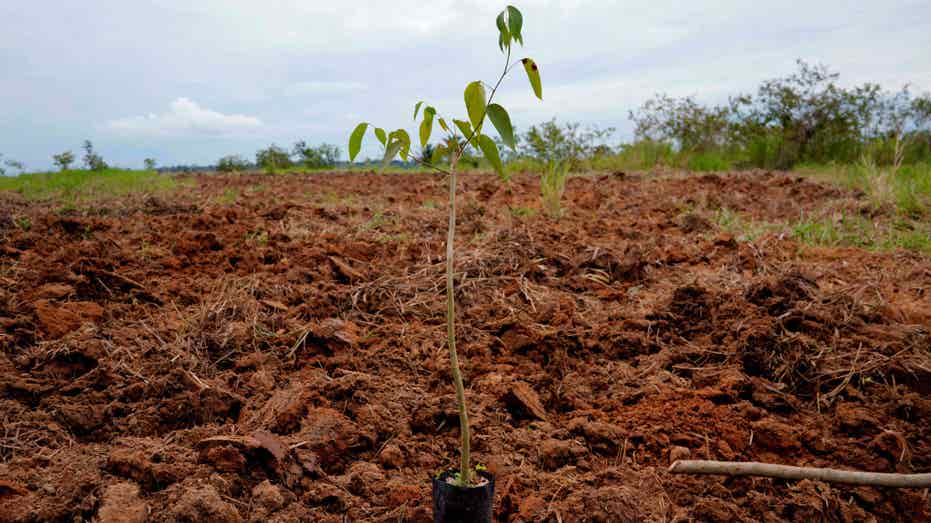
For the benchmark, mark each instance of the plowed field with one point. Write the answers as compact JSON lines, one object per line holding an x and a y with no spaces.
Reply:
{"x":272,"y":348}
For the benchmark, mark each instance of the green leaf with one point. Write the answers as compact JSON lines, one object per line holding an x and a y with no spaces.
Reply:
{"x":464,"y":127}
{"x":405,"y":139}
{"x":515,"y":23}
{"x":502,"y":122}
{"x":504,"y":35}
{"x":443,"y":125}
{"x":417,"y":109}
{"x":380,"y":134}
{"x":475,"y":103}
{"x":490,"y":150}
{"x":426,"y":127}
{"x":355,"y":140}
{"x":533,"y":73}
{"x":394,"y":146}
{"x":438,"y":153}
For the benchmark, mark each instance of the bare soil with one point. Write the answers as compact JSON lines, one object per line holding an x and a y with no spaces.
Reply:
{"x":281,"y":357}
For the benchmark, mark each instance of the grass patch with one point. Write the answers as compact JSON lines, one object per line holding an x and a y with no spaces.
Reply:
{"x":708,"y":162}
{"x":908,"y":189}
{"x":73,"y":187}
{"x":858,"y":231}
{"x":335,"y":199}
{"x":378,"y":221}
{"x":641,"y":155}
{"x":229,"y":196}
{"x":836,"y":230}
{"x":552,"y":187}
{"x":743,"y":229}
{"x":522,"y":212}
{"x":839,"y":230}
{"x":906,"y":192}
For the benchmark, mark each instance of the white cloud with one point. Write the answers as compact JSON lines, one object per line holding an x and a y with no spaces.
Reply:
{"x":322,"y":88}
{"x":184,"y":117}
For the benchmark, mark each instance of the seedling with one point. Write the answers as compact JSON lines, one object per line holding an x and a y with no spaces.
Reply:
{"x":24,"y":223}
{"x":460,"y":134}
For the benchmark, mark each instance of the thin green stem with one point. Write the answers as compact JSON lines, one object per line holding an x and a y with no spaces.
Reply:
{"x":428,"y":164}
{"x":465,"y":469}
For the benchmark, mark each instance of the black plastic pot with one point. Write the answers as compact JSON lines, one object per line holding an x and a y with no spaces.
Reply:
{"x":453,"y":504}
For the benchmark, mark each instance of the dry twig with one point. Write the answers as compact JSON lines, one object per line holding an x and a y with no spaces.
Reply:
{"x":751,"y":468}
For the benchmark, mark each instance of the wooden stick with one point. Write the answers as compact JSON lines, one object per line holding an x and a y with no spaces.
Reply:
{"x":751,"y":468}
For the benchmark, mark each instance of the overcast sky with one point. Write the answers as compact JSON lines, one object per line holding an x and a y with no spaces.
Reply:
{"x":189,"y":81}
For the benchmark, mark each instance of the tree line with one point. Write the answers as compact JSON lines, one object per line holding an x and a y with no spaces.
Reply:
{"x":271,"y":159}
{"x":275,"y":158}
{"x":806,"y":116}
{"x":92,"y":161}
{"x":803,"y":117}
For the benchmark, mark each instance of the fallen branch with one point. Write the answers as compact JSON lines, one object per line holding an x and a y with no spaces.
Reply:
{"x":736,"y":468}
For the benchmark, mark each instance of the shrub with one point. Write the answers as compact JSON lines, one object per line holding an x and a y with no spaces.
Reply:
{"x":273,"y":158}
{"x":322,"y":156}
{"x":806,"y":116}
{"x":683,"y":122}
{"x":549,"y":142}
{"x":63,"y":160}
{"x":232,"y":163}
{"x":92,"y":160}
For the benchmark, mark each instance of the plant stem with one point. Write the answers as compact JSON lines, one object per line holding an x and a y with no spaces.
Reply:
{"x":464,"y":465}
{"x":465,"y":469}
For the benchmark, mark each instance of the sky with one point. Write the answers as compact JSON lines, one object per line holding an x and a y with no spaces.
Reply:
{"x":188,"y":82}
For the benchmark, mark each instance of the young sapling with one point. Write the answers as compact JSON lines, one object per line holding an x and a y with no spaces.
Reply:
{"x":460,"y":134}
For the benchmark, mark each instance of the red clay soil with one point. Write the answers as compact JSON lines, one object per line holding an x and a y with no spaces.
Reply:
{"x":272,"y":348}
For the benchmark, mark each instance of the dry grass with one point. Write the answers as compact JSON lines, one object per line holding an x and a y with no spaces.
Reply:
{"x":225,"y":323}
{"x":26,"y":434}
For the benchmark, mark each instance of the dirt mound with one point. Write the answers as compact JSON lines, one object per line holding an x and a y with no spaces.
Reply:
{"x":273,"y":348}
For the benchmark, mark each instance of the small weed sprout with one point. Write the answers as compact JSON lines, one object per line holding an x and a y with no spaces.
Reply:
{"x":24,"y":223}
{"x":259,"y":237}
{"x":553,"y":185}
{"x":522,"y":212}
{"x":459,"y":136}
